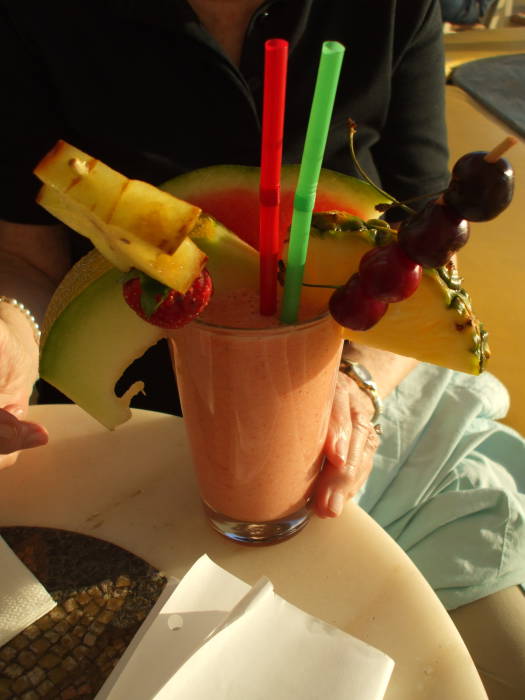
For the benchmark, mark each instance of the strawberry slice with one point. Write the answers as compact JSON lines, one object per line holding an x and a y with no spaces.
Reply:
{"x":162,"y":306}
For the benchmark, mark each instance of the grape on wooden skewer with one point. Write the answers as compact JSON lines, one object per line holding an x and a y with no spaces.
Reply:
{"x":481,"y":187}
{"x":432,"y":236}
{"x":482,"y":183}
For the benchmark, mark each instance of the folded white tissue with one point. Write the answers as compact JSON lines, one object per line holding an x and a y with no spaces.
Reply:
{"x":23,"y":599}
{"x":214,"y":636}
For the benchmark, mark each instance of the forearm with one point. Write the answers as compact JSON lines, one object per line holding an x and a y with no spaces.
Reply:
{"x":387,"y":369}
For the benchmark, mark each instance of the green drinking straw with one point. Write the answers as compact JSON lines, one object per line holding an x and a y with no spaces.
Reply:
{"x":313,"y":151}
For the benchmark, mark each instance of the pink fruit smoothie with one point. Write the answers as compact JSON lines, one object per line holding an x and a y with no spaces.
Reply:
{"x":256,"y":397}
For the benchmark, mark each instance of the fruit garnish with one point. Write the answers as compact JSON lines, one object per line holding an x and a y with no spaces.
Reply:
{"x":482,"y":183}
{"x":435,"y":324}
{"x":165,"y":307}
{"x":90,"y":335}
{"x":352,"y":308}
{"x":132,"y":223}
{"x":480,"y":188}
{"x":431,"y":236}
{"x":388,"y":275}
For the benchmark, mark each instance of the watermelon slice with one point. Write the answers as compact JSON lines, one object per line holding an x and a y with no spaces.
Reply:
{"x":230,"y":194}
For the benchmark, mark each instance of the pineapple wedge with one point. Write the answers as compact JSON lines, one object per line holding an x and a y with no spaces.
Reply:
{"x":436,"y":324}
{"x":132,"y":223}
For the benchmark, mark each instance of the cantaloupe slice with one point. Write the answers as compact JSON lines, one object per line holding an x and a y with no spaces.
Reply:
{"x":90,"y":336}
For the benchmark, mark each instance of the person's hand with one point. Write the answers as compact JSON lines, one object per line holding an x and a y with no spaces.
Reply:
{"x":18,"y":371}
{"x":350,"y":447}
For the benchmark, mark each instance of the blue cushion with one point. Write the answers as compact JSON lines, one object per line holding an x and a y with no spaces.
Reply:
{"x":497,"y":83}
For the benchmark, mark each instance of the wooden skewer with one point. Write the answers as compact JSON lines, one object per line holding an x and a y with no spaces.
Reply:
{"x":496,"y":153}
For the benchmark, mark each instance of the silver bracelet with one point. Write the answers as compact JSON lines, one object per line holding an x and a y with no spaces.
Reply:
{"x":364,"y":381}
{"x":27,"y":313}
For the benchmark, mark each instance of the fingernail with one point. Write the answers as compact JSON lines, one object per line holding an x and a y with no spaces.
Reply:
{"x":336,"y":502}
{"x":348,"y":468}
{"x":32,"y":438}
{"x":341,"y":449}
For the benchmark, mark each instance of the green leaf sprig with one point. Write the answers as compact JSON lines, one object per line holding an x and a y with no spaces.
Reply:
{"x":153,"y":291}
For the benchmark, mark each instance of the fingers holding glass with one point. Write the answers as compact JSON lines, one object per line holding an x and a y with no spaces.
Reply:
{"x":337,"y":483}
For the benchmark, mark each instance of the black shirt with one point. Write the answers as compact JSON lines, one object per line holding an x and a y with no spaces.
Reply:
{"x":142,"y":86}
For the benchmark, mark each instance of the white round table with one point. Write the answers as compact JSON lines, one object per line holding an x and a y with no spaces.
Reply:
{"x":135,"y":488}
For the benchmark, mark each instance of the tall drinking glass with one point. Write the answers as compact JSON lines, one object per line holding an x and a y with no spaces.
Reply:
{"x":256,"y":404}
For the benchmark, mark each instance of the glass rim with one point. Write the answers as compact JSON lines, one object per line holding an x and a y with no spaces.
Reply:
{"x":268,"y":330}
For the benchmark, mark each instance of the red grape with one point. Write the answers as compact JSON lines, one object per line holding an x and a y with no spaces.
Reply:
{"x":388,"y":274}
{"x":352,"y":308}
{"x":480,"y":189}
{"x":432,"y":236}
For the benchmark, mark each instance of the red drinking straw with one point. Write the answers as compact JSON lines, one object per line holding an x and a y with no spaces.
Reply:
{"x":275,"y":64}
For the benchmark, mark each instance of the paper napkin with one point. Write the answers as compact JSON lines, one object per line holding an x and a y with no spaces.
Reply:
{"x":214,"y":636}
{"x":23,"y":599}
